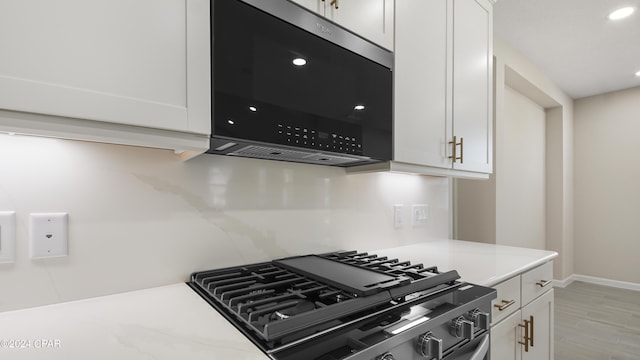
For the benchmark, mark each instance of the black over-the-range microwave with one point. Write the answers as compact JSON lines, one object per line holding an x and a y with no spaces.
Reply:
{"x":288,"y":84}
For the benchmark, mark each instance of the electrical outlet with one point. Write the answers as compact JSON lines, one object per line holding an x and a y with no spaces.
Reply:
{"x":7,"y":236}
{"x":48,"y":235}
{"x":398,"y":215}
{"x":420,"y":214}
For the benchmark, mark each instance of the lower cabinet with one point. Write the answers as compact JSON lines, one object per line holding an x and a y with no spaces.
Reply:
{"x":522,"y":328}
{"x":505,"y":338}
{"x":539,"y":317}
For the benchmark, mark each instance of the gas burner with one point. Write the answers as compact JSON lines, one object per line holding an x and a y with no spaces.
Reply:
{"x":300,"y":307}
{"x":340,"y":297}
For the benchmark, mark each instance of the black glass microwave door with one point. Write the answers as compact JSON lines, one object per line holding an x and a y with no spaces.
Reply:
{"x":261,"y":95}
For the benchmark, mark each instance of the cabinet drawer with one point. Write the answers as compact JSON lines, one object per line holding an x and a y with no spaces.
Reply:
{"x":537,"y":281}
{"x":508,"y":299}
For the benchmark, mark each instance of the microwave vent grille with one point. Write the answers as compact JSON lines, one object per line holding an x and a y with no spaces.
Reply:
{"x":273,"y":153}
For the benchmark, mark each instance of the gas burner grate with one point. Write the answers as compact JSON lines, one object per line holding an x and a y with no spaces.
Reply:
{"x":288,"y":299}
{"x":420,"y":279}
{"x":275,"y":303}
{"x":384,"y":264}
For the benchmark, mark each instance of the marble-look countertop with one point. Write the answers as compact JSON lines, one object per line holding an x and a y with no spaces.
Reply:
{"x":478,"y":263}
{"x":173,"y":322}
{"x":164,"y":323}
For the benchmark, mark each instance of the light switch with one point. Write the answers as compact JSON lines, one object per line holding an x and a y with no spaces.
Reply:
{"x":398,"y":215}
{"x":48,"y":235}
{"x":420,"y":214}
{"x":7,"y":236}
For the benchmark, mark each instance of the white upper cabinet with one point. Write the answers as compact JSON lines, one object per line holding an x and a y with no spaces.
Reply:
{"x":420,"y":76}
{"x":473,"y":83}
{"x":371,"y":19}
{"x":443,"y":86}
{"x":106,"y":63}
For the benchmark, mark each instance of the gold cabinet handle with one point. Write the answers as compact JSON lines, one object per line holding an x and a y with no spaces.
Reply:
{"x":532,"y":331}
{"x":333,"y":2}
{"x":455,"y":144}
{"x":544,"y":283}
{"x":526,"y":335}
{"x":505,"y":304}
{"x":453,"y":150}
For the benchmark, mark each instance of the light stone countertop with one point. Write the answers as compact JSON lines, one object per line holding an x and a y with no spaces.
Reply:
{"x":164,"y":323}
{"x":173,"y":322}
{"x":478,"y":263}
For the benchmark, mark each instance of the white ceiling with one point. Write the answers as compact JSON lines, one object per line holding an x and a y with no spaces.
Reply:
{"x":573,"y":41}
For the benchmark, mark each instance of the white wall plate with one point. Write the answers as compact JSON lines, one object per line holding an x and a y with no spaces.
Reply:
{"x":48,"y":235}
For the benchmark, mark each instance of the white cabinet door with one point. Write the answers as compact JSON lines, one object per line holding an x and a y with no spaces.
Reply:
{"x":420,"y":129}
{"x":541,"y":311}
{"x":371,"y":19}
{"x":443,"y":83}
{"x":505,"y":338}
{"x":127,"y":62}
{"x":472,"y":83}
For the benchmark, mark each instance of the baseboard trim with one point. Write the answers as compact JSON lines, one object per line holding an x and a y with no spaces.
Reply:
{"x":564,"y":283}
{"x":597,"y":281}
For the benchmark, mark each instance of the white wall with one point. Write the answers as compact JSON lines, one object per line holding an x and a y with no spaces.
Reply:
{"x":607,"y":186}
{"x":140,"y":218}
{"x":520,"y":182}
{"x":480,"y":207}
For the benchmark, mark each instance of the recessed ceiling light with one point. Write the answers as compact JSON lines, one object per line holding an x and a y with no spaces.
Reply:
{"x":621,"y":13}
{"x":299,"y":62}
{"x":358,"y":107}
{"x":638,"y":73}
{"x":253,"y":108}
{"x":230,"y":122}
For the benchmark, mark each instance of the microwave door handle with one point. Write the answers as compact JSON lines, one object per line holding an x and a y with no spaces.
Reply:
{"x":481,"y":350}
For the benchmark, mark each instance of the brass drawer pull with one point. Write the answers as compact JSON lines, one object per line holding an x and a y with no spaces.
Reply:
{"x":544,"y":283}
{"x":333,"y":3}
{"x":505,"y":304}
{"x":526,"y":335}
{"x":532,"y":331}
{"x":455,"y":144}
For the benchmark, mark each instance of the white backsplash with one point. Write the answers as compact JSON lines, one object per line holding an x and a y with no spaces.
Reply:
{"x":140,"y":218}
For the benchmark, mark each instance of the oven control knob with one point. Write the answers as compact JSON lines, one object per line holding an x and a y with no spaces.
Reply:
{"x":480,"y":319}
{"x":386,"y":356}
{"x":462,"y":328}
{"x":430,"y":346}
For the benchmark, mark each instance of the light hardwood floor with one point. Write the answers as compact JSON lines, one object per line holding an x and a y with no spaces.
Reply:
{"x":596,"y":322}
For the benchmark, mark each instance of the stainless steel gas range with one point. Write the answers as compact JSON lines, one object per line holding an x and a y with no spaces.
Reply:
{"x":352,"y":306}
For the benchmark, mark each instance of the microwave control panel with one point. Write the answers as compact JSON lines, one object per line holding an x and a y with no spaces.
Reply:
{"x":321,"y":140}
